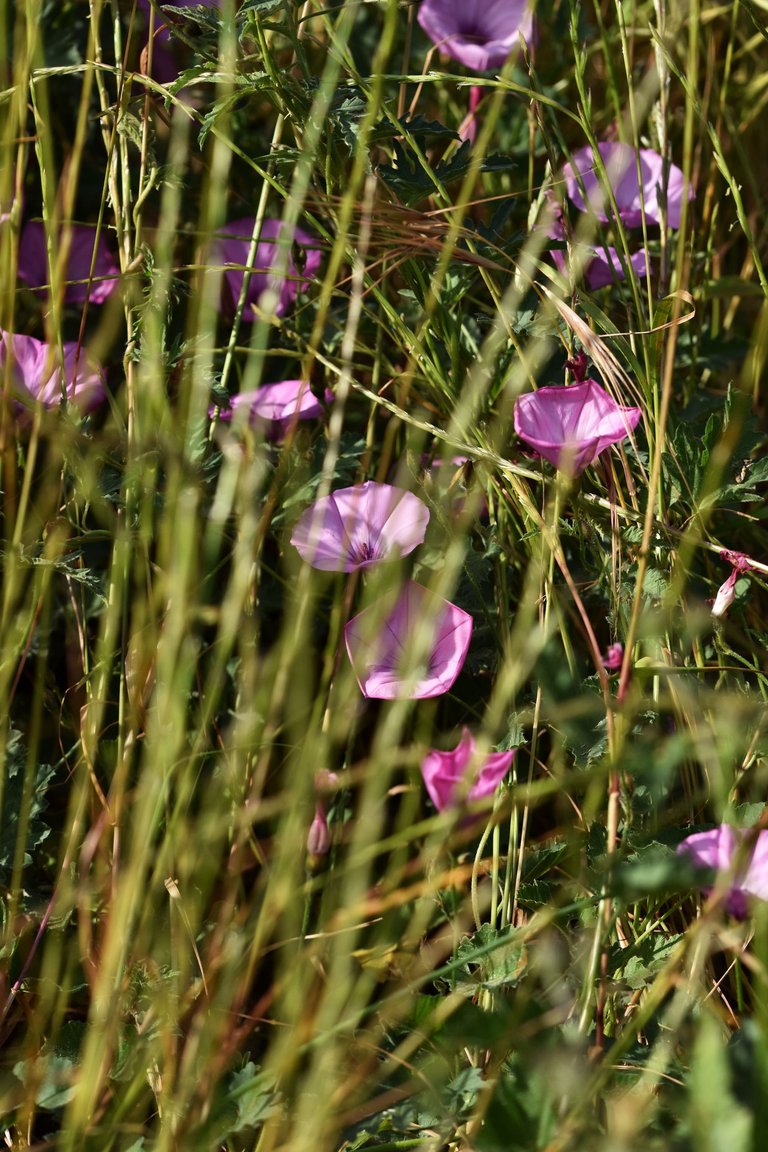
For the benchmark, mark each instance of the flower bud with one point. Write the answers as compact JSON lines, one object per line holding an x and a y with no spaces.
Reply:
{"x":725,"y":595}
{"x":614,"y":657}
{"x":319,"y":835}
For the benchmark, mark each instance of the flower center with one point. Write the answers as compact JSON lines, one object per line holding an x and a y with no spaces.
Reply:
{"x":469,"y":28}
{"x":364,"y":552}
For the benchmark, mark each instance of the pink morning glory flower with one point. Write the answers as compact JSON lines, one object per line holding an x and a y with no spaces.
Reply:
{"x":478,"y":34}
{"x":357,"y":527}
{"x":570,"y":426}
{"x":231,"y":247}
{"x":36,"y":374}
{"x":603,"y":269}
{"x":445,"y":773}
{"x":33,"y":263}
{"x":716,"y":850}
{"x":274,"y":407}
{"x":382,"y":651}
{"x":632,"y":196}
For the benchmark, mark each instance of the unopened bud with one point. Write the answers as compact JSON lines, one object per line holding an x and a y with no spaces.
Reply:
{"x":725,"y":595}
{"x":614,"y":657}
{"x":319,"y":835}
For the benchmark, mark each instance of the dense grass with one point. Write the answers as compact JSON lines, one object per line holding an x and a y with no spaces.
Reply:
{"x":536,"y":971}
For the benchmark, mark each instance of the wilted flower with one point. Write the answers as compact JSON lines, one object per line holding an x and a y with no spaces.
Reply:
{"x":633,"y":196}
{"x":231,"y":248}
{"x":357,"y":527}
{"x":445,"y":772}
{"x":383,"y":652}
{"x":33,"y":263}
{"x":603,"y":269}
{"x":274,"y":407}
{"x":479,"y":35}
{"x":717,"y":850}
{"x":36,"y":374}
{"x":570,"y":426}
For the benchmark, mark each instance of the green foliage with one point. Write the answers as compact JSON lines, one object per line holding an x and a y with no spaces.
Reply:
{"x":541,"y":970}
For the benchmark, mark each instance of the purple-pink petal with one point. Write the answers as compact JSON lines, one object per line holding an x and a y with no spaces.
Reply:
{"x":444,"y":773}
{"x":716,"y":849}
{"x":633,"y":196}
{"x":605,"y":267}
{"x":231,"y":248}
{"x":382,"y":653}
{"x":570,"y":426}
{"x":33,"y":263}
{"x":478,"y":35}
{"x":360,"y":526}
{"x":275,"y":406}
{"x":36,"y":374}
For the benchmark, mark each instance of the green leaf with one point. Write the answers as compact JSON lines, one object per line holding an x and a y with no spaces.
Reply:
{"x":492,"y":958}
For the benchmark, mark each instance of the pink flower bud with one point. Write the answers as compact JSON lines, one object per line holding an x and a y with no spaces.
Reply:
{"x":319,"y":835}
{"x":725,"y":595}
{"x":614,"y":657}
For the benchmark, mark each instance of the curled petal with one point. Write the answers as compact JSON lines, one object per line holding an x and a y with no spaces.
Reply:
{"x":444,"y":773}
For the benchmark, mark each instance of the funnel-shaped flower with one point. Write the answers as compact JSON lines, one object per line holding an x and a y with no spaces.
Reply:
{"x":36,"y":374}
{"x":231,"y":249}
{"x":632,"y":194}
{"x":274,"y":407}
{"x":357,"y":527}
{"x":445,"y":773}
{"x":416,"y":652}
{"x":33,"y":263}
{"x":717,"y":849}
{"x":479,"y":34}
{"x":571,"y":426}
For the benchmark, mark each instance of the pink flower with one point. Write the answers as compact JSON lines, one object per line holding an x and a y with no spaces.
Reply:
{"x":36,"y":374}
{"x":231,"y":249}
{"x":632,"y":195}
{"x":384,"y":654}
{"x":478,"y":35}
{"x":274,"y":407}
{"x":603,"y":270}
{"x":33,"y":263}
{"x":717,"y":848}
{"x":445,"y":772}
{"x":357,"y":527}
{"x":614,"y":658}
{"x":571,"y":426}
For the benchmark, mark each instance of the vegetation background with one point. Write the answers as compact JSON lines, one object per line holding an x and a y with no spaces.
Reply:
{"x":177,"y":971}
